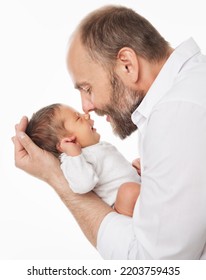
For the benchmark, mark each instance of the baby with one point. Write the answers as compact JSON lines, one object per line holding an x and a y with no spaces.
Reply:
{"x":87,"y":163}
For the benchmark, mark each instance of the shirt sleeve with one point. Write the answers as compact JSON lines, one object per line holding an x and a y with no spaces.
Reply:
{"x":79,"y":173}
{"x":115,"y":237}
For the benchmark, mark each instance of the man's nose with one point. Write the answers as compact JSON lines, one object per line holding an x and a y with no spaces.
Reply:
{"x":87,"y":104}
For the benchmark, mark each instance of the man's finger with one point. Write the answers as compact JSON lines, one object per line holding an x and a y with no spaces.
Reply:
{"x":136,"y":164}
{"x":19,"y":127}
{"x":25,"y":144}
{"x":22,"y":125}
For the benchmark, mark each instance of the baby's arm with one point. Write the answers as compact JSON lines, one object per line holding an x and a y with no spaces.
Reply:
{"x":79,"y":173}
{"x":70,"y":147}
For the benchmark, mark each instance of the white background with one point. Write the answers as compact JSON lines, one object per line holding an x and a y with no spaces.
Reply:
{"x":34,"y":223}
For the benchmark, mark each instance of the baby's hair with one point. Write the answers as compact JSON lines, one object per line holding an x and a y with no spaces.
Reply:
{"x":44,"y":129}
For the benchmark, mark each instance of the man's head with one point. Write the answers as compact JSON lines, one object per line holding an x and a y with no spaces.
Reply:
{"x":112,"y":59}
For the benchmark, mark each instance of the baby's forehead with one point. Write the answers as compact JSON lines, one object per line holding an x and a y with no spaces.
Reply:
{"x":66,"y":109}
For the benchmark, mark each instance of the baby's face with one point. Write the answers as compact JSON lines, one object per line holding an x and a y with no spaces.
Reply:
{"x":80,"y":126}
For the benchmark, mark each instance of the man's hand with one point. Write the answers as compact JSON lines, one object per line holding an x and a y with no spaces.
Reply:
{"x":30,"y":158}
{"x":137,"y":166}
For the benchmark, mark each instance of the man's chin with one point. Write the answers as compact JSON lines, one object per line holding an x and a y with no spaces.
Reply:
{"x":120,"y":135}
{"x":125,"y":129}
{"x":121,"y":132}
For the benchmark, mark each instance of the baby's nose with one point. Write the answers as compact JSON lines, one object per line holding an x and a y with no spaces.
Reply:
{"x":87,"y":116}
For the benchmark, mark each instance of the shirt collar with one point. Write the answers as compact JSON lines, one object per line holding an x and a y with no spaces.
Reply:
{"x":164,"y":80}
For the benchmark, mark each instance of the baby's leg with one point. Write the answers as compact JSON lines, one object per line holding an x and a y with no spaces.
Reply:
{"x":126,"y":198}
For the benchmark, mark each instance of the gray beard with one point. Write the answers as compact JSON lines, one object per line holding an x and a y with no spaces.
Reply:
{"x":123,"y":103}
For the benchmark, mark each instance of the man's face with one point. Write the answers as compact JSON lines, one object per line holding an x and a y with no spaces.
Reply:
{"x":123,"y":102}
{"x":102,"y":92}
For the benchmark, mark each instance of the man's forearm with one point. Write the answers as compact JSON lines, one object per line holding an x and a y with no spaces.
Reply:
{"x":88,"y":209}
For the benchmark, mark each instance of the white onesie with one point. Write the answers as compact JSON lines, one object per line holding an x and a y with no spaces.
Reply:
{"x":101,"y":168}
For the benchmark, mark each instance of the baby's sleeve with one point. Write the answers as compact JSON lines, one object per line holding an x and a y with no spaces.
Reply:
{"x":79,"y":173}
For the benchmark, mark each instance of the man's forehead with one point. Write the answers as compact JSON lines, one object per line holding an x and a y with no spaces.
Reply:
{"x":77,"y":58}
{"x":76,"y":48}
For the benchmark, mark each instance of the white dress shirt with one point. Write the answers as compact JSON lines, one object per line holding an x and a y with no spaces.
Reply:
{"x":169,"y":220}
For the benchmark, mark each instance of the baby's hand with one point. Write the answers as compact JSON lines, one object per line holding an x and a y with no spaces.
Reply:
{"x":71,"y":148}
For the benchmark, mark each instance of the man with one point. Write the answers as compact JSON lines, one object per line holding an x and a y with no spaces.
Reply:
{"x":125,"y":70}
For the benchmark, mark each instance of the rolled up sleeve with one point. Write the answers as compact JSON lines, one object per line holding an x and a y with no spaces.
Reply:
{"x":115,"y":230}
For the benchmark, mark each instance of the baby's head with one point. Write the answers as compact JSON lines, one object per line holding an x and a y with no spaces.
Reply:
{"x":53,"y":123}
{"x":44,"y":128}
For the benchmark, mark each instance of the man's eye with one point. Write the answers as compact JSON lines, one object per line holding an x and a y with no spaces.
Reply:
{"x":87,"y":90}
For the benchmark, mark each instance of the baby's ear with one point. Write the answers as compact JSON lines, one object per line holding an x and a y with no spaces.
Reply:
{"x":63,"y":141}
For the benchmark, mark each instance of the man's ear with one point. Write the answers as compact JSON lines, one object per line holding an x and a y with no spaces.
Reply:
{"x":64,"y":141}
{"x":127,"y":66}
